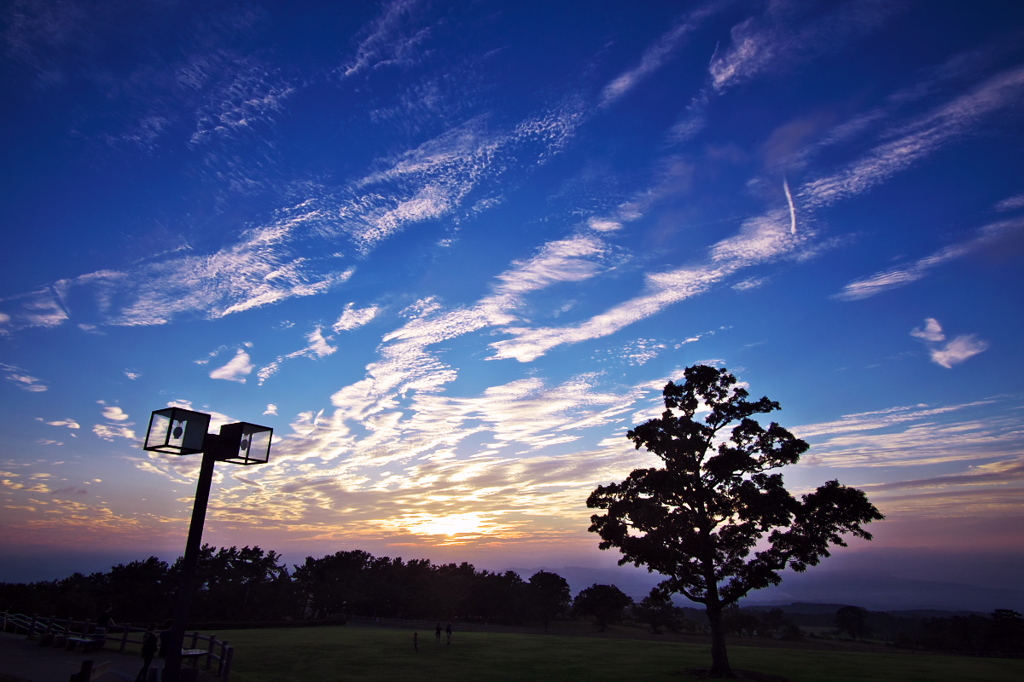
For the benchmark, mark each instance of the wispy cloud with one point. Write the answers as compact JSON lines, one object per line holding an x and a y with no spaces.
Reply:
{"x":437,"y":178}
{"x":918,"y":139}
{"x":1011,"y":203}
{"x":952,"y":352}
{"x":392,"y":39}
{"x":759,"y":240}
{"x":256,"y":271}
{"x":23,"y":379}
{"x":785,"y":34}
{"x":353,"y":318}
{"x":319,"y":347}
{"x":656,"y":55}
{"x":917,"y":435}
{"x":1004,"y":472}
{"x":898,"y":277}
{"x":111,"y":432}
{"x":236,"y":369}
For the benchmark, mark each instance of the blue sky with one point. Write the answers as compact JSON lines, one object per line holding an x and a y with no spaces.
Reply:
{"x":451,"y":252}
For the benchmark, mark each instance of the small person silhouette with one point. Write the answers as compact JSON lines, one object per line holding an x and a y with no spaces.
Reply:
{"x":448,"y":629}
{"x":150,"y":645}
{"x":437,"y":633}
{"x":416,"y":641}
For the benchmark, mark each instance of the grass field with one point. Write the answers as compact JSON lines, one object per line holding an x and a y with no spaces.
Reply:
{"x":363,"y":653}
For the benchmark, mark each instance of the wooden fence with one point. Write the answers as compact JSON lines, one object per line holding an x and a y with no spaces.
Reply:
{"x":57,"y":631}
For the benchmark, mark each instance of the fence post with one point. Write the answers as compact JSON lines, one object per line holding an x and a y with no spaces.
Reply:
{"x":222,"y":658}
{"x":209,"y":655}
{"x":124,"y":636}
{"x":227,"y":664}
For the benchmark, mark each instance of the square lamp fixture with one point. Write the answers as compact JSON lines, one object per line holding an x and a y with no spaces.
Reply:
{"x":244,"y":443}
{"x":176,"y":431}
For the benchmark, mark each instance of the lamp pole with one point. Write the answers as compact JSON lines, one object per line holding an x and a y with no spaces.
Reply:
{"x":189,"y":563}
{"x":178,"y":431}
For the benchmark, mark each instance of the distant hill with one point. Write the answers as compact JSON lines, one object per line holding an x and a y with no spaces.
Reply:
{"x":824,"y":590}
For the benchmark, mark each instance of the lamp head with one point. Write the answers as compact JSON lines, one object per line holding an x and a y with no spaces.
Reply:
{"x":176,"y":431}
{"x":244,"y":443}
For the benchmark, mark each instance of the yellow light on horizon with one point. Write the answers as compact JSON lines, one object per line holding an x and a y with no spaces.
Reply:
{"x":469,"y":523}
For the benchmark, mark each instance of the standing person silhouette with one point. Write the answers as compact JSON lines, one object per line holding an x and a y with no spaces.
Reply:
{"x":149,"y":648}
{"x":437,"y":633}
{"x":448,"y":630}
{"x":163,"y":651}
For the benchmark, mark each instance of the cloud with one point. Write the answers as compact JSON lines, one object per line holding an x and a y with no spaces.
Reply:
{"x":40,"y":308}
{"x":986,"y":236}
{"x":260,"y":268}
{"x":915,"y":141}
{"x":114,"y":413}
{"x":917,"y":435}
{"x":271,"y":409}
{"x":69,"y":423}
{"x":760,"y":239}
{"x":255,"y":271}
{"x":353,"y":318}
{"x":932,"y":331}
{"x":23,"y":379}
{"x":318,"y":348}
{"x":110,"y":432}
{"x":390,"y":457}
{"x":1003,"y":472}
{"x":785,"y":35}
{"x":248,"y":97}
{"x":1011,"y":203}
{"x":654,"y":57}
{"x":953,"y":353}
{"x":438,"y":177}
{"x":959,"y":349}
{"x":236,"y":369}
{"x":392,"y":39}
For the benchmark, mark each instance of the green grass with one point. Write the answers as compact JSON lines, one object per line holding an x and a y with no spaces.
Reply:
{"x":354,"y":653}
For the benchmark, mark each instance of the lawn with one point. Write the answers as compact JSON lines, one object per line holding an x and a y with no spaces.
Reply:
{"x":364,"y":653}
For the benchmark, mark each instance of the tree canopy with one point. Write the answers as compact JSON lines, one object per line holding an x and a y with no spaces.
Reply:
{"x":716,"y":521}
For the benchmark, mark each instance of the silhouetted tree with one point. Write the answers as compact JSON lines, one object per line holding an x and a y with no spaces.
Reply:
{"x":739,"y":622}
{"x":1007,"y":632}
{"x":140,"y":591}
{"x":332,"y":585}
{"x":550,"y":594}
{"x":657,"y":610}
{"x":237,"y":584}
{"x":775,"y":624}
{"x":606,"y":604}
{"x":697,"y":520}
{"x":852,"y":620}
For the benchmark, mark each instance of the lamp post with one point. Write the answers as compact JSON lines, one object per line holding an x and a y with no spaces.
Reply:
{"x":177,"y":431}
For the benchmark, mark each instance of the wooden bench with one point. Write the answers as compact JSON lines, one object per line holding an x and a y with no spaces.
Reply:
{"x":88,"y":643}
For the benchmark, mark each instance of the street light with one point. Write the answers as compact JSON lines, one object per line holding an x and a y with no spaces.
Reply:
{"x":177,"y":431}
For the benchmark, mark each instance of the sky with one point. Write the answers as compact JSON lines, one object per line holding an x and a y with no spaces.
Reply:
{"x":452,"y":251}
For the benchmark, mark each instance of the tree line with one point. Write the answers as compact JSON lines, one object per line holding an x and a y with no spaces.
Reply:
{"x":251,"y":584}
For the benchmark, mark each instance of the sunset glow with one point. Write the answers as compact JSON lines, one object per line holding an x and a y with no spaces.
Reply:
{"x":451,"y":252}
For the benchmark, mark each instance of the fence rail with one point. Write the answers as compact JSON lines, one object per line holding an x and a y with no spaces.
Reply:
{"x":56,"y":631}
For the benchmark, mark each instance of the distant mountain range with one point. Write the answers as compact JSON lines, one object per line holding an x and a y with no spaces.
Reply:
{"x":826,"y":588}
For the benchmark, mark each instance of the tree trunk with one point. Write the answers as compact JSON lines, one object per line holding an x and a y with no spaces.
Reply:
{"x":719,"y":658}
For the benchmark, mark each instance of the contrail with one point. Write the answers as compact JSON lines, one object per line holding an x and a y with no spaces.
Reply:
{"x":792,"y":206}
